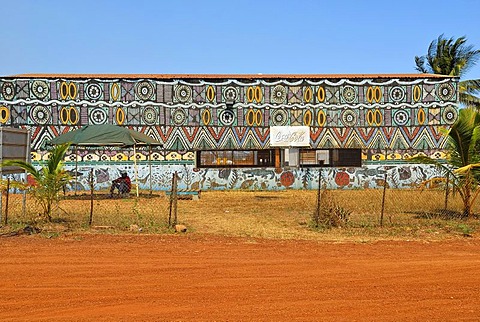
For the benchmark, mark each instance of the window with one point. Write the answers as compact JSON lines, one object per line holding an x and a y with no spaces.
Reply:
{"x":236,"y":158}
{"x":331,"y":157}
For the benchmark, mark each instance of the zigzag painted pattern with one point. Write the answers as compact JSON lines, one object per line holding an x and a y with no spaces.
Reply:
{"x":192,"y":114}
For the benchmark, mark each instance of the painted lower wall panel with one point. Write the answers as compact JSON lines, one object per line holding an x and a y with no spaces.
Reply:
{"x":402,"y":176}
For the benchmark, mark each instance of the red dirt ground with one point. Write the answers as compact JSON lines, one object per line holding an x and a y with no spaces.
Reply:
{"x":205,"y":278}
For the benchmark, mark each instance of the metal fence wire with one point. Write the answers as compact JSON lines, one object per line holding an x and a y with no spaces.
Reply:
{"x":151,"y":210}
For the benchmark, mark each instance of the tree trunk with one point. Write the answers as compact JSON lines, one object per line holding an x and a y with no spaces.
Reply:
{"x":467,"y":206}
{"x":49,"y":212}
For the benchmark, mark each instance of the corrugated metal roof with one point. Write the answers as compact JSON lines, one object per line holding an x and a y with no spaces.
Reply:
{"x":228,"y":76}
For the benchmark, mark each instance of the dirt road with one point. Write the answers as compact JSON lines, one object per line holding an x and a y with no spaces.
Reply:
{"x":205,"y":278}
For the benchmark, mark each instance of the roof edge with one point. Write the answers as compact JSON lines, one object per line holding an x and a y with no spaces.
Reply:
{"x":226,"y":76}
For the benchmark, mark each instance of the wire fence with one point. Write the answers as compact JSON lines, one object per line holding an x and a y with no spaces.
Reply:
{"x":152,"y":210}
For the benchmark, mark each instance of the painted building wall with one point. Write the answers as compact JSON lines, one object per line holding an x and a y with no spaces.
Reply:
{"x":390,"y":115}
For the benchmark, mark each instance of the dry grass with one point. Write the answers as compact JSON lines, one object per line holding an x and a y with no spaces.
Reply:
{"x":409,"y":215}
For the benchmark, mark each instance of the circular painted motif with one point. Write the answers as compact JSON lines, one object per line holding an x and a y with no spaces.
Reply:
{"x":307,"y":118}
{"x":63,"y":90}
{"x":370,"y":117}
{"x":342,"y":179}
{"x":417,"y":93}
{"x":120,"y":116}
{"x":250,"y":94}
{"x":307,"y":95}
{"x":321,"y":94}
{"x":115,"y":92}
{"x":230,"y":93}
{"x":397,"y":94}
{"x":206,"y":117}
{"x":149,"y":115}
{"x":258,"y":117}
{"x":72,"y":90}
{"x":40,"y":88}
{"x":179,"y":116}
{"x":93,"y":91}
{"x":73,"y":115}
{"x":445,"y":91}
{"x":449,"y":115}
{"x":183,"y":93}
{"x":370,"y":94}
{"x":4,"y":114}
{"x":8,"y":90}
{"x":377,"y":94}
{"x":40,"y":114}
{"x":250,"y":117}
{"x":144,"y":90}
{"x":227,"y":117}
{"x":378,"y":117}
{"x":400,"y":117}
{"x":210,"y":93}
{"x":349,"y":118}
{"x":279,"y":117}
{"x":349,"y":94}
{"x":287,"y":179}
{"x":321,"y":118}
{"x":64,"y":115}
{"x":98,"y":116}
{"x":279,"y":94}
{"x":258,"y":94}
{"x":421,"y":117}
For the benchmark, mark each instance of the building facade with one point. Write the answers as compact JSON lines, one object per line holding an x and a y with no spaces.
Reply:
{"x":268,"y":132}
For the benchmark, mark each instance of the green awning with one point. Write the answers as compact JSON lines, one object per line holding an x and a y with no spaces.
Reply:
{"x":104,"y":135}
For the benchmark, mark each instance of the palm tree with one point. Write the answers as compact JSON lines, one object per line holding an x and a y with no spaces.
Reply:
{"x":463,"y":162}
{"x":453,"y":57}
{"x":49,"y":180}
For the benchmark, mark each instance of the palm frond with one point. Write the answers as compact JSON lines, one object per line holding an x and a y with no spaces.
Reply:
{"x":420,"y":64}
{"x":30,"y":169}
{"x":468,"y":168}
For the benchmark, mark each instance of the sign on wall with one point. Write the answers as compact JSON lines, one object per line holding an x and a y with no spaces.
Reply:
{"x":14,"y":145}
{"x":286,"y":136}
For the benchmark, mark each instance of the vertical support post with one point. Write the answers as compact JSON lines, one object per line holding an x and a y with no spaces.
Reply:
{"x":24,"y":201}
{"x":1,"y":199}
{"x":175,"y":199}
{"x":90,"y":180}
{"x":6,"y":201}
{"x":277,"y":158}
{"x":135,"y":167}
{"x":319,"y":199}
{"x":150,"y":167}
{"x":173,"y":202}
{"x":384,"y":192}
{"x":447,"y":191}
{"x":76,"y":168}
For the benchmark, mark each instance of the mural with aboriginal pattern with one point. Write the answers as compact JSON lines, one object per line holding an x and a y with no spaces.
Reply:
{"x":401,"y":114}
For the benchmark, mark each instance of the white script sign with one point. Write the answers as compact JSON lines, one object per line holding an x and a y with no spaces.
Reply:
{"x":289,"y":136}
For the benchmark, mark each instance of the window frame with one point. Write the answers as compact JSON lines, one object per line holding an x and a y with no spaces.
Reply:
{"x":336,"y":158}
{"x":259,"y":159}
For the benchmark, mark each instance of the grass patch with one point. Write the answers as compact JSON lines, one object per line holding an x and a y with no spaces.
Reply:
{"x":409,"y":214}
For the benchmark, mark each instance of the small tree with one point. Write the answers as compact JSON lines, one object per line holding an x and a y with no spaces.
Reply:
{"x":463,"y":162}
{"x":50,"y":179}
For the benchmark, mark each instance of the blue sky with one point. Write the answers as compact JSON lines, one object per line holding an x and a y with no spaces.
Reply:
{"x":227,"y":36}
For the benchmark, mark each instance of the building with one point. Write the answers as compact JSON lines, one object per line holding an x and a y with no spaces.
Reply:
{"x":244,"y":131}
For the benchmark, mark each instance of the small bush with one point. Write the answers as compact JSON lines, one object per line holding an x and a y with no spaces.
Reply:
{"x":329,"y":213}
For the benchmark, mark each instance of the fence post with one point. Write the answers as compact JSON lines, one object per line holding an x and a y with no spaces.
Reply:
{"x":6,"y":201}
{"x":90,"y":180}
{"x":447,"y":191}
{"x":384,"y":189}
{"x":24,"y":202}
{"x":1,"y":204}
{"x":173,"y":202}
{"x":319,"y":199}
